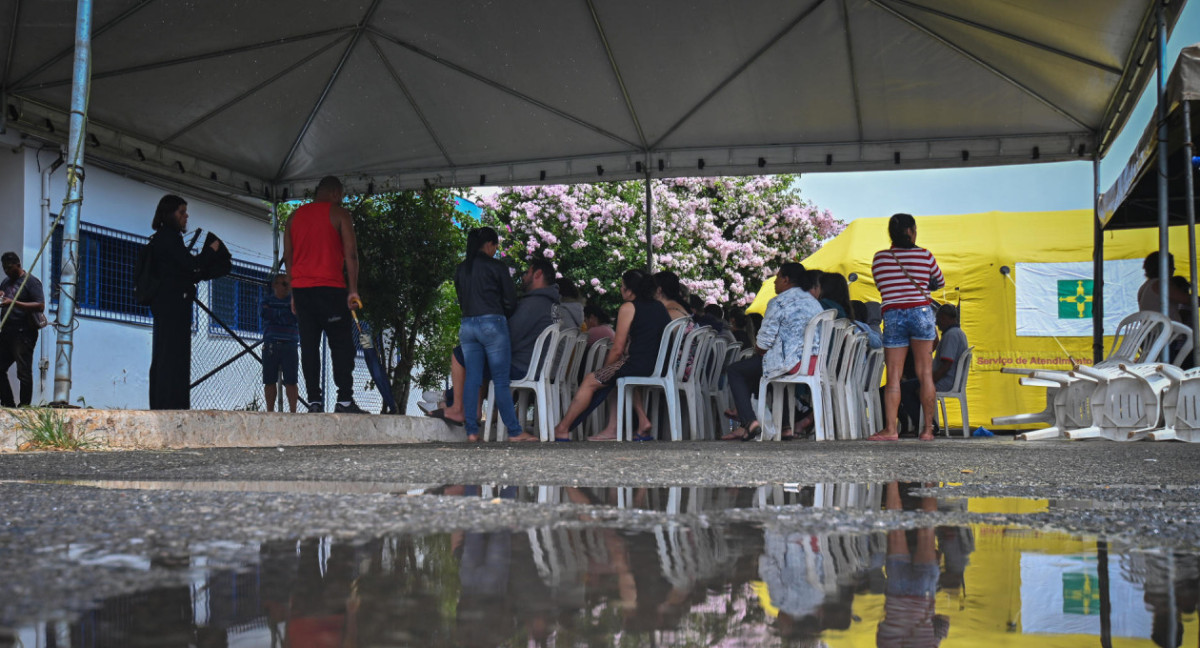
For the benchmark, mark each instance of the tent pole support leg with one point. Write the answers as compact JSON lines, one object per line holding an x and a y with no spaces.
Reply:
{"x":1164,"y":242}
{"x":1189,"y":151}
{"x":649,"y":223}
{"x":80,"y":78}
{"x":1097,"y":267}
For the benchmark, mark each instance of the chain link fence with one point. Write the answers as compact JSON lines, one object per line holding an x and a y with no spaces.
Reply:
{"x":227,"y":370}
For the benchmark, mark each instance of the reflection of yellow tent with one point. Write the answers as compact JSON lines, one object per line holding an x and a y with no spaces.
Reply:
{"x":971,"y":250}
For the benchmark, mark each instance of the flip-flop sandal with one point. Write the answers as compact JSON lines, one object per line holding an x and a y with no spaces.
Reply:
{"x":566,"y":440}
{"x":878,"y":436}
{"x":644,"y":437}
{"x":732,"y":436}
{"x":753,"y":431}
{"x":441,"y":415}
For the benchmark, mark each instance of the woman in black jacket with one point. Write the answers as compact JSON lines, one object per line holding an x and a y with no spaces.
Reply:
{"x":177,"y":272}
{"x":487,"y":296}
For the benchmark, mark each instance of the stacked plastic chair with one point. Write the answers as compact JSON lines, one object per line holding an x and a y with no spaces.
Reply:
{"x":1139,"y":337}
{"x":1181,"y":406}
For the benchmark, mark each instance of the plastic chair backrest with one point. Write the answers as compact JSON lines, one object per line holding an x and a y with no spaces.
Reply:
{"x":714,"y":361}
{"x":838,"y":331}
{"x":546,"y":341}
{"x":962,"y":367}
{"x":819,"y":332}
{"x":1140,"y":337}
{"x":669,"y":346}
{"x":692,"y":347}
{"x":597,"y":354}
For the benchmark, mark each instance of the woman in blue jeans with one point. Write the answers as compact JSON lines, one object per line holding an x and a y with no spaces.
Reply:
{"x":487,"y":296}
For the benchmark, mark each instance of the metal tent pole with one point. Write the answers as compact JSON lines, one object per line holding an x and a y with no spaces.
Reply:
{"x":1164,"y":242}
{"x":649,"y":224}
{"x":80,"y":78}
{"x":1097,"y":267}
{"x":1189,"y":151}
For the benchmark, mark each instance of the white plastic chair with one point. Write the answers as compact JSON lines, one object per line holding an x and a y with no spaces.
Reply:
{"x":818,"y":331}
{"x":847,"y":384}
{"x":710,"y":385}
{"x":593,"y":362}
{"x":1181,"y":406}
{"x":873,"y":420}
{"x":538,"y":381}
{"x":958,"y":391}
{"x":566,"y":375}
{"x":668,"y":351}
{"x":687,"y":388}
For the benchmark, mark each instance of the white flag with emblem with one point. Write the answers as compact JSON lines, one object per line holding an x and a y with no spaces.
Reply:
{"x":1055,"y":299}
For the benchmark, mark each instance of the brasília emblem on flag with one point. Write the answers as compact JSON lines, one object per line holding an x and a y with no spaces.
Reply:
{"x":1075,"y":298}
{"x":1080,"y":594}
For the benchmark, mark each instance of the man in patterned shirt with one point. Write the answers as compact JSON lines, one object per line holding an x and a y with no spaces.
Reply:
{"x":780,"y":344}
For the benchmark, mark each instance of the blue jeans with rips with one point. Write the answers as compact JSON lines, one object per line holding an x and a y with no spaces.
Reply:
{"x":486,"y":337}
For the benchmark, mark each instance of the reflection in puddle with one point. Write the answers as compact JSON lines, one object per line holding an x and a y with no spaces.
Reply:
{"x":677,"y":583}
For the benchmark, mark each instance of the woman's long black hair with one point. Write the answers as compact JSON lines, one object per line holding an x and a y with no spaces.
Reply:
{"x":642,"y":285}
{"x":165,"y":212}
{"x":668,"y":282}
{"x":898,"y":227}
{"x":835,"y":289}
{"x":477,"y":238}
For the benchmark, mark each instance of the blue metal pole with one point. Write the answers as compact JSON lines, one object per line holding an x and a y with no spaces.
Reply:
{"x":1164,"y":242}
{"x":80,"y":79}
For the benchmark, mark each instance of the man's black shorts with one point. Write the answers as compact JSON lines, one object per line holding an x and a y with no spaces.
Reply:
{"x":277,"y":357}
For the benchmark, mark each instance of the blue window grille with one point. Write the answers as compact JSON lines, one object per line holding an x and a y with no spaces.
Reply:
{"x":236,"y":298}
{"x":104,"y":288}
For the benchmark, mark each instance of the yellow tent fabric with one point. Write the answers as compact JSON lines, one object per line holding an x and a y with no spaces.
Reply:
{"x":970,"y":250}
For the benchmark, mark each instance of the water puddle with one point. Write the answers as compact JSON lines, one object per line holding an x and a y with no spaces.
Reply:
{"x":677,"y":583}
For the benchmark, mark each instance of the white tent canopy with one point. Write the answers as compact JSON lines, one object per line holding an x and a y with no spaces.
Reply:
{"x":254,"y":97}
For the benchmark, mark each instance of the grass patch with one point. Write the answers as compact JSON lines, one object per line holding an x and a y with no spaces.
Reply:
{"x":47,"y":429}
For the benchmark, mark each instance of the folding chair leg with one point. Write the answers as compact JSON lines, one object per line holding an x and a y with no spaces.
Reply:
{"x":945,"y":423}
{"x":962,"y":405}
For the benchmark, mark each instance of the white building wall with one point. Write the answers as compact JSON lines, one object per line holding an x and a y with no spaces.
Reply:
{"x":111,"y":359}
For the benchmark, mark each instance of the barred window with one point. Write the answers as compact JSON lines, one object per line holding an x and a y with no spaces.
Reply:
{"x":236,"y":298}
{"x":104,"y":281}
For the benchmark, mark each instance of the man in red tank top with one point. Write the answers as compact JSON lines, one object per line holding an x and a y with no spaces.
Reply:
{"x":321,"y":256}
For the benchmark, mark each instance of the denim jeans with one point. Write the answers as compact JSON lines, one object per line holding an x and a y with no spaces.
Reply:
{"x":486,"y":336}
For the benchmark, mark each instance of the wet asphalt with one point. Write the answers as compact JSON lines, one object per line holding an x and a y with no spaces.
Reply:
{"x":64,"y":546}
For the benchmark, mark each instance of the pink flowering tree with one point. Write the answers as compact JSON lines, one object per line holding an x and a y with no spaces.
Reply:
{"x":718,"y":234}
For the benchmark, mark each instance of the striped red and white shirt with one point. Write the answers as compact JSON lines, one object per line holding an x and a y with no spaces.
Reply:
{"x":895,"y":288}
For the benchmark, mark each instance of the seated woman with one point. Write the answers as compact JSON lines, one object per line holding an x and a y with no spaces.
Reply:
{"x":640,"y":323}
{"x":670,"y":293}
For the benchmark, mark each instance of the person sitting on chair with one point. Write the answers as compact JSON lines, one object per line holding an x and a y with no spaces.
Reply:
{"x":780,"y":345}
{"x":950,"y":348}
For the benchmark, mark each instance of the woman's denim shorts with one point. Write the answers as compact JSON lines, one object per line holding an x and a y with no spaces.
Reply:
{"x":904,"y":324}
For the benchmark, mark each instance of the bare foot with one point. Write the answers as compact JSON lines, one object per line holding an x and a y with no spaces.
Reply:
{"x":883,"y":436}
{"x":927,"y":435}
{"x":472,"y":438}
{"x":736,"y":435}
{"x":601,"y":436}
{"x":523,"y":437}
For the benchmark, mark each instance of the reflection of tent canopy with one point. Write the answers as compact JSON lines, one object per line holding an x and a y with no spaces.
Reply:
{"x":220,"y":94}
{"x":1008,"y":322}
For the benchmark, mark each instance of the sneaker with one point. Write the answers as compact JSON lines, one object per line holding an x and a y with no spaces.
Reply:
{"x":352,"y":408}
{"x":315,"y":407}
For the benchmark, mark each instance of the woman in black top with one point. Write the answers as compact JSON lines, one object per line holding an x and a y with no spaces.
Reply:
{"x":487,"y":296}
{"x":178,"y":272}
{"x":640,"y":323}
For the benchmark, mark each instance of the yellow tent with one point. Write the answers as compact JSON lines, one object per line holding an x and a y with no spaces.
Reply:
{"x":971,"y":250}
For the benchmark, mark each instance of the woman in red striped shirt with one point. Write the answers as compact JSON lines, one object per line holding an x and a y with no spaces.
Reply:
{"x":904,"y":275}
